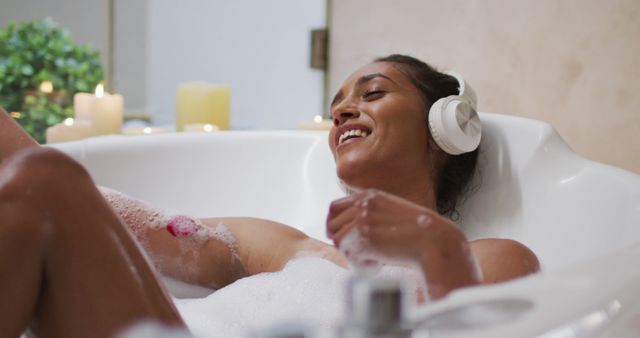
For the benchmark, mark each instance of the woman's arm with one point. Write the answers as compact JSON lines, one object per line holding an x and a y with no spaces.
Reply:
{"x":213,"y":252}
{"x":12,"y":137}
{"x":179,"y":246}
{"x":266,"y":246}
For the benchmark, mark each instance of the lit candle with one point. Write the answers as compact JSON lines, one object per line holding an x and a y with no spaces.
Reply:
{"x":198,"y":102}
{"x":316,"y":124}
{"x":46,"y":87}
{"x":201,"y":127}
{"x":69,"y":130}
{"x":102,"y":109}
{"x":144,"y":130}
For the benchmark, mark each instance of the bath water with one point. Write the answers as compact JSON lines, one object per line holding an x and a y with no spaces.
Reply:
{"x":308,"y":290}
{"x":363,"y":258}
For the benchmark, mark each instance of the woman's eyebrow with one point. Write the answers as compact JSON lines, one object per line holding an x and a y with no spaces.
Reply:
{"x":366,"y":78}
{"x":337,"y":98}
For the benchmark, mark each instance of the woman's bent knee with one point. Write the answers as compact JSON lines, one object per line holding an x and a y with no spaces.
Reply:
{"x":41,"y":165}
{"x":31,"y":182}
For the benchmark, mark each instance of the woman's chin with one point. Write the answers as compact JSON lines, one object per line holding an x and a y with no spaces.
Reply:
{"x":354,"y":180}
{"x":356,"y":171}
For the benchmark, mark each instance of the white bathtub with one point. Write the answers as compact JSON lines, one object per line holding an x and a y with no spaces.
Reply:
{"x":582,"y":218}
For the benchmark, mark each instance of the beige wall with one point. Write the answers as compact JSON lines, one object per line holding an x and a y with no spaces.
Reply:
{"x":572,"y":63}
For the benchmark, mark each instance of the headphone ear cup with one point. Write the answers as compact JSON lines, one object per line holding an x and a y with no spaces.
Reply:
{"x":454,"y":125}
{"x":435,"y":124}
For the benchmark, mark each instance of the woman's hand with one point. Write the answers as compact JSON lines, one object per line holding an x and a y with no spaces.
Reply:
{"x":398,"y":228}
{"x":394,"y":226}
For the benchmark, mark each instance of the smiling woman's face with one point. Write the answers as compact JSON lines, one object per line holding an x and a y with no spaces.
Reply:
{"x":380,"y":135}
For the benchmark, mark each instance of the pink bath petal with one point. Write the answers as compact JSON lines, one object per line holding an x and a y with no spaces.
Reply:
{"x":182,"y":226}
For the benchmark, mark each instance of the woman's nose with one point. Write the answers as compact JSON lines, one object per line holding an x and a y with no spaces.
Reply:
{"x":341,"y":114}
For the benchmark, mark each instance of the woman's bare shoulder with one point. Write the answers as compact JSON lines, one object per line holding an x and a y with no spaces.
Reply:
{"x":504,"y":259}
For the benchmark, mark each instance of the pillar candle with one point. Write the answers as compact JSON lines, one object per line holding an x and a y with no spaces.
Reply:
{"x":69,"y":130}
{"x":108,"y":114}
{"x":199,"y":102}
{"x":102,"y":110}
{"x":201,"y":127}
{"x":83,"y":106}
{"x":144,"y":131}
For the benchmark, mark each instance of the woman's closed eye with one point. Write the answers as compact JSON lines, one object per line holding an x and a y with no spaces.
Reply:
{"x":373,"y":94}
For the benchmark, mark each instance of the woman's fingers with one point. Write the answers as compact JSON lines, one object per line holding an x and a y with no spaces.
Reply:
{"x":340,"y":205}
{"x":391,"y":224}
{"x":357,"y":207}
{"x":338,"y":221}
{"x":342,"y":233}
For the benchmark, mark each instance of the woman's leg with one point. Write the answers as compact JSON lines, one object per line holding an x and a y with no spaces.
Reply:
{"x":68,"y":266}
{"x":12,"y":137}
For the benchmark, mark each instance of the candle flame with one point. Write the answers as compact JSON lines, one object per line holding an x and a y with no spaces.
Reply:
{"x":16,"y":115}
{"x":317,"y":119}
{"x":99,"y":90}
{"x":208,"y":128}
{"x":68,"y":122}
{"x":147,"y":130}
{"x":46,"y":87}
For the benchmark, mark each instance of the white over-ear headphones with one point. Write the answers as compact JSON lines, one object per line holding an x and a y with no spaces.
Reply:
{"x":454,"y":121}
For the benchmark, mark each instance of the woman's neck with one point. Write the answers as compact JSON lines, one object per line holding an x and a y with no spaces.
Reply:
{"x":415,"y":188}
{"x":421,"y":193}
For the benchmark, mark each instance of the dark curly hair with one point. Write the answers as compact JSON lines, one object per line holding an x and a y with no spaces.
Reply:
{"x":453,"y":173}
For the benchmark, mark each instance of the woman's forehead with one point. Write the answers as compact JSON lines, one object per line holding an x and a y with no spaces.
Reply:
{"x":388,"y":69}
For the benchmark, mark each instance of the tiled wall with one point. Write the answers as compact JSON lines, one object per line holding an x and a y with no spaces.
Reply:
{"x":572,"y":63}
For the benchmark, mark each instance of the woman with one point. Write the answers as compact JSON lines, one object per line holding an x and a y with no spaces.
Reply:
{"x":71,"y":268}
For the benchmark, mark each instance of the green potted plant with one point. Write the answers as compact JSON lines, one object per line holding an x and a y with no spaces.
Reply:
{"x":35,"y":52}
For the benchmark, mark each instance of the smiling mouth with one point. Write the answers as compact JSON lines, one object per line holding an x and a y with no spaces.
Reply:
{"x":353,"y":134}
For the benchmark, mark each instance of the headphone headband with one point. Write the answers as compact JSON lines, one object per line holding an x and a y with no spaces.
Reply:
{"x":464,"y":89}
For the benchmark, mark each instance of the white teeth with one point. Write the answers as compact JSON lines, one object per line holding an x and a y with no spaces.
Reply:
{"x":353,"y":132}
